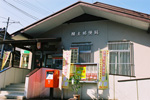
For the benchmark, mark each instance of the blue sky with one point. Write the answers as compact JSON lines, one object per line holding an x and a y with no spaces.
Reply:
{"x":26,"y":12}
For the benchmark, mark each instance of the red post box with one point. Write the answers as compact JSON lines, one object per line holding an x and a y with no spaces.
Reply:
{"x":52,"y":78}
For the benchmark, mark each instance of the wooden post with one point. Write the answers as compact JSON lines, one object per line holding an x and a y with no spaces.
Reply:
{"x":13,"y":56}
{"x":33,"y":57}
{"x":41,"y":55}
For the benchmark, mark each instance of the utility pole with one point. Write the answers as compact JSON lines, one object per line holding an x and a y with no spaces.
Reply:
{"x":2,"y":50}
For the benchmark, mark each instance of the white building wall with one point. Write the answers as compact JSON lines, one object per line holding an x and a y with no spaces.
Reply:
{"x":141,"y":43}
{"x":109,"y":31}
{"x":143,"y":89}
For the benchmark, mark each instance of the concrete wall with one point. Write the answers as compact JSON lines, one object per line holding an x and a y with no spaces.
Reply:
{"x":35,"y":85}
{"x":12,"y":75}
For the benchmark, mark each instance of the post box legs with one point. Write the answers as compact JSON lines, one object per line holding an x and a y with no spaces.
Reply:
{"x":51,"y":94}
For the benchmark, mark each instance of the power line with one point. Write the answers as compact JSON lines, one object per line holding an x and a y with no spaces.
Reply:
{"x":27,"y":14}
{"x":44,"y":6}
{"x":14,"y":14}
{"x":35,"y":7}
{"x":29,"y":6}
{"x":21,"y":24}
{"x":12,"y":22}
{"x":5,"y":18}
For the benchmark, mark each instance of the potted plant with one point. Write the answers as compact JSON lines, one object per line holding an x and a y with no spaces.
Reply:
{"x":75,"y":85}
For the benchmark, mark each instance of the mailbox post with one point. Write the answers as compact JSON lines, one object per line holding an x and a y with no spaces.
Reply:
{"x":52,"y":80}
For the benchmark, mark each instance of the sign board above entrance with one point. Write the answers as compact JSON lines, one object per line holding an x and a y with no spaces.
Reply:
{"x":85,"y":33}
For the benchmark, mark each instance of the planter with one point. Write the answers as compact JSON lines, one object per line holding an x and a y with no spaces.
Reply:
{"x":76,"y":96}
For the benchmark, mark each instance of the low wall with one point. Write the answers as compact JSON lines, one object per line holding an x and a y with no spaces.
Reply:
{"x":12,"y":75}
{"x":135,"y":89}
{"x":130,"y":89}
{"x":35,"y":85}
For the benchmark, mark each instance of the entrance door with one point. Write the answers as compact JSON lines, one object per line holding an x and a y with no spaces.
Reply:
{"x":25,"y":60}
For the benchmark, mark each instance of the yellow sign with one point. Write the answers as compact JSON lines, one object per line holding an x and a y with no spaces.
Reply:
{"x":103,"y":70}
{"x":66,"y":68}
{"x":81,"y":70}
{"x":5,"y":58}
{"x":72,"y":69}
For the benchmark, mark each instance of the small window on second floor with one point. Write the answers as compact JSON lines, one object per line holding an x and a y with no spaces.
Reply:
{"x":83,"y":52}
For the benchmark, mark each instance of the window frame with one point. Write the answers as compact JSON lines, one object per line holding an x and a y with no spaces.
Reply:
{"x":118,"y":63}
{"x":72,"y":59}
{"x":77,"y":45}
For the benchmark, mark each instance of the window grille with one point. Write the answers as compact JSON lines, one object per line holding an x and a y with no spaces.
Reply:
{"x":74,"y":54}
{"x":121,"y":58}
{"x":84,"y":52}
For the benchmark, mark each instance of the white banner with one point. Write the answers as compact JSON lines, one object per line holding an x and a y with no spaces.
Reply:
{"x":66,"y":68}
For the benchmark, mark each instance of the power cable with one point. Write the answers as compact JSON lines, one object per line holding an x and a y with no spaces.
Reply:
{"x":11,"y":20}
{"x":5,"y":18}
{"x":34,"y":7}
{"x":44,"y":6}
{"x":14,"y":14}
{"x":31,"y":7}
{"x":21,"y":24}
{"x":25,"y":13}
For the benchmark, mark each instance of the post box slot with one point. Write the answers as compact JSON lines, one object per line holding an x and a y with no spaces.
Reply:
{"x":49,"y":75}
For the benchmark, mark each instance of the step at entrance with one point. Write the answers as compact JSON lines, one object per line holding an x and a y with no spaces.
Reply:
{"x":13,"y":91}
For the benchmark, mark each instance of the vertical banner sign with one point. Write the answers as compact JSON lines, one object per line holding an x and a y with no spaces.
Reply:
{"x":66,"y":68}
{"x":103,"y":70}
{"x":5,"y":58}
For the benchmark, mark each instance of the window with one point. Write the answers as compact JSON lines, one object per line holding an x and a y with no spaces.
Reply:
{"x":84,"y":52}
{"x":121,"y":58}
{"x":57,"y":62}
{"x":74,"y":54}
